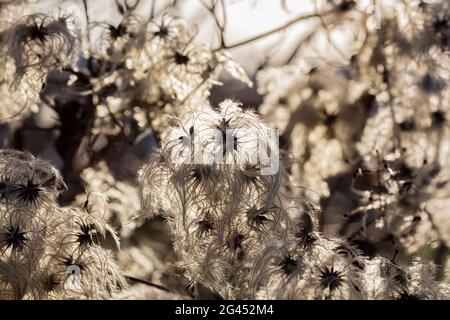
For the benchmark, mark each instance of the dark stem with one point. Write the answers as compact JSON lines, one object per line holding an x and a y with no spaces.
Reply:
{"x":149,"y":283}
{"x":220,"y":27}
{"x":152,"y":9}
{"x":280,"y":28}
{"x":88,"y":22}
{"x":77,"y":117}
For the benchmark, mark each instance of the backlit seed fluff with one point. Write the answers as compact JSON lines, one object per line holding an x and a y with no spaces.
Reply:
{"x":48,"y":251}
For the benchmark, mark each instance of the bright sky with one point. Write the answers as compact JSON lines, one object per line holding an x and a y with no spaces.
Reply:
{"x":246,"y":18}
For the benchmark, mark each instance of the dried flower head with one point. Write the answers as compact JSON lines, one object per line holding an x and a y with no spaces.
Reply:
{"x":49,"y":252}
{"x":38,"y":43}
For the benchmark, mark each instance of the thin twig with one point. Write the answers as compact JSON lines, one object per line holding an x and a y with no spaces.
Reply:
{"x":133,"y":7}
{"x":88,"y":22}
{"x":280,"y":28}
{"x":330,"y":40}
{"x":118,"y":123}
{"x":300,"y":45}
{"x":221,"y":27}
{"x":149,"y":283}
{"x":152,"y":9}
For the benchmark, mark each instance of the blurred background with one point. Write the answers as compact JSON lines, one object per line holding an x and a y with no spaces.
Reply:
{"x":293,"y":59}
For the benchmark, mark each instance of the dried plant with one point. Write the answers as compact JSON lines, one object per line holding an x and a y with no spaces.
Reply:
{"x":48,"y":251}
{"x":329,"y":181}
